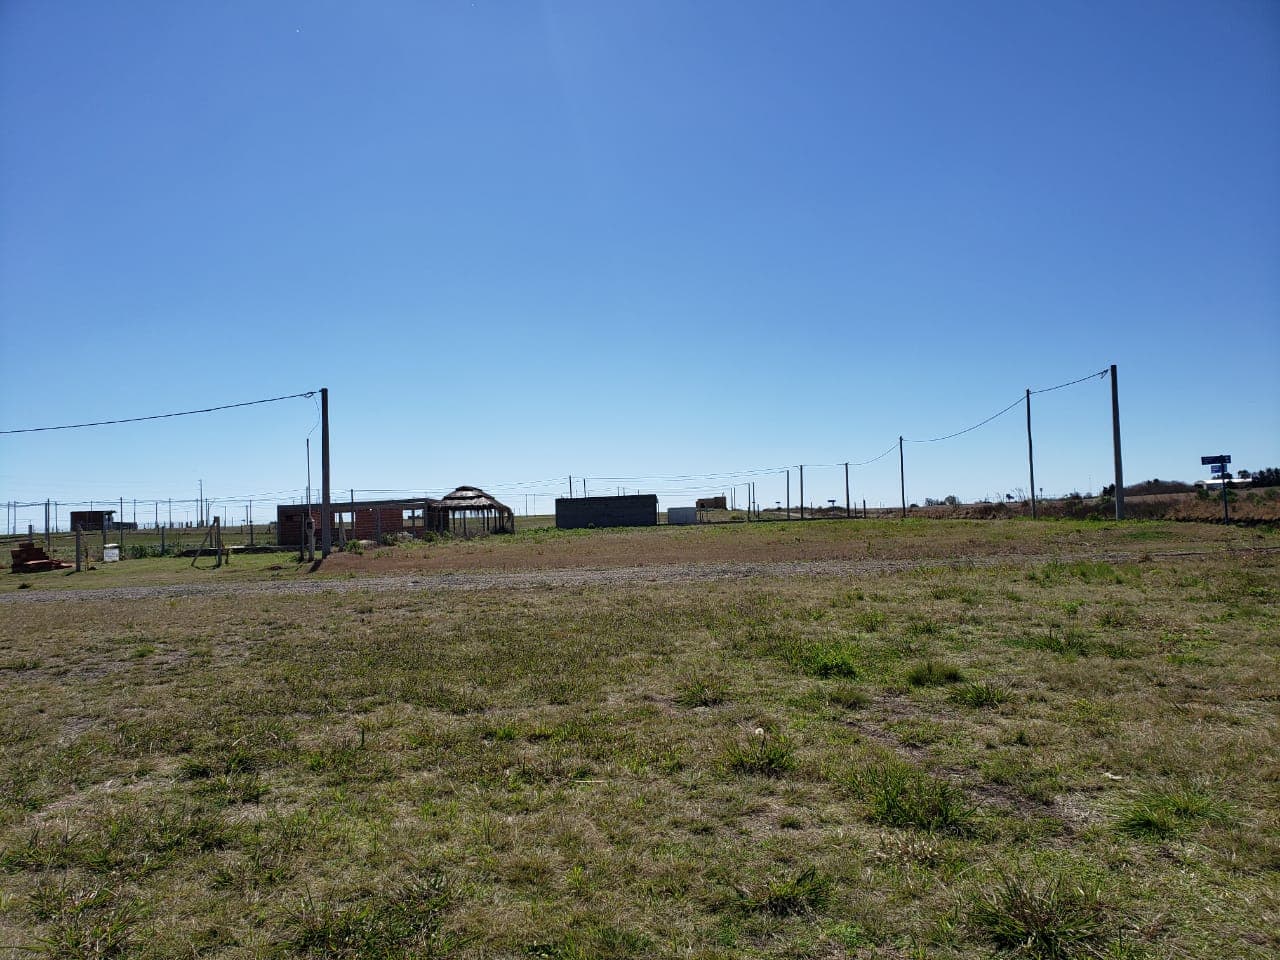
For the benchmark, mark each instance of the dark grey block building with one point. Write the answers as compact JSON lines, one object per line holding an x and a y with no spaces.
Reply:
{"x":638,"y":510}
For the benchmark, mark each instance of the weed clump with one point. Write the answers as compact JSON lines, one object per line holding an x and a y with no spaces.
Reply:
{"x":1047,"y":919}
{"x":899,"y":795}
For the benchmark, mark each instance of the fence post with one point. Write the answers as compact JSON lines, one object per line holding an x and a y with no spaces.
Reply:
{"x":79,"y":547}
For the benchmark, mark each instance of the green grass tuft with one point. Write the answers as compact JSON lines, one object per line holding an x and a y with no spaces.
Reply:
{"x":933,"y":674}
{"x":901,"y":796}
{"x":848,"y":696}
{"x":833,"y":660}
{"x":762,"y":754}
{"x":704,"y":692}
{"x":1164,"y":814}
{"x":1043,"y":918}
{"x":403,"y":921}
{"x":980,"y":695}
{"x":790,"y":895}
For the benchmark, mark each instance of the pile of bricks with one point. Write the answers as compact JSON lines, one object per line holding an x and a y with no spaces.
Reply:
{"x":29,"y":558}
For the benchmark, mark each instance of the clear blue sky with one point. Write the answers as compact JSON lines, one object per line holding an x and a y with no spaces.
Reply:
{"x":523,"y":240}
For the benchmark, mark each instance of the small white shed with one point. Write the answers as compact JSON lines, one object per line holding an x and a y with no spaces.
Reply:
{"x":680,"y":516}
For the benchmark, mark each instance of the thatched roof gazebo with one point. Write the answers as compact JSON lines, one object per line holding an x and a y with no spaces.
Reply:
{"x":469,"y":510}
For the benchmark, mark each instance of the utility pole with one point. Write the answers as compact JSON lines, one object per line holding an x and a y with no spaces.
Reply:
{"x":847,"y":511}
{"x":200,"y":512}
{"x":1031,"y":460}
{"x":571,"y":486}
{"x":1115,"y":439}
{"x":902,"y":479}
{"x":788,"y":494}
{"x":802,"y":491}
{"x":326,"y":522}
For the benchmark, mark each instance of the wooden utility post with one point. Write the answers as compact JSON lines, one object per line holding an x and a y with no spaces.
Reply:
{"x":788,"y":494}
{"x":847,"y":511}
{"x":79,"y":546}
{"x":802,"y":491}
{"x":326,"y":523}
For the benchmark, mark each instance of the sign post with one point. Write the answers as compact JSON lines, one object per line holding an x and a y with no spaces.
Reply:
{"x":1218,"y":465}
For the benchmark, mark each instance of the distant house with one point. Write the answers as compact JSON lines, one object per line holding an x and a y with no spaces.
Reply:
{"x":713,"y":503}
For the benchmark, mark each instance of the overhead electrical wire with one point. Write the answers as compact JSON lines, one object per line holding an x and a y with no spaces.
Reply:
{"x":551,"y":485}
{"x":160,"y":416}
{"x":1001,"y":413}
{"x":1099,"y":374}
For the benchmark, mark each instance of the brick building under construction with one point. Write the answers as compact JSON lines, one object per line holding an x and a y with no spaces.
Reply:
{"x":467,"y":511}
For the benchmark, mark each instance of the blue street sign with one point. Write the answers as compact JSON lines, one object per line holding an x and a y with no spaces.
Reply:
{"x":1221,"y":458}
{"x":1218,"y":468}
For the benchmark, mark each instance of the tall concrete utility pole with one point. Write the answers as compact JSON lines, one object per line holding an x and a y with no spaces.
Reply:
{"x":1115,"y":439}
{"x":326,"y":522}
{"x":1031,"y":460}
{"x":902,"y":479}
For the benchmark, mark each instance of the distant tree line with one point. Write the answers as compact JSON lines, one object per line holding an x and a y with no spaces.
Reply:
{"x":1270,"y":477}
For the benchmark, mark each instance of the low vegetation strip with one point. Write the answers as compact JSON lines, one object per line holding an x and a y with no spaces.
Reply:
{"x":1058,"y":758}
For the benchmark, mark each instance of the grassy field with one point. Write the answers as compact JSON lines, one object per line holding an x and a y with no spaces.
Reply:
{"x":1068,"y":750}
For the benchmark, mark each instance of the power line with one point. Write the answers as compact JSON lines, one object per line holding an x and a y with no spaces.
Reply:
{"x":873,"y":459}
{"x":1001,"y":413}
{"x":966,"y":429}
{"x":160,"y":416}
{"x":1092,"y":376}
